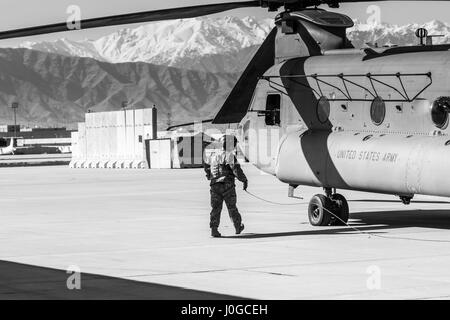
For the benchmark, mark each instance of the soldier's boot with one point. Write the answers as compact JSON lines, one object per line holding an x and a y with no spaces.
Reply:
{"x":240,"y":228}
{"x":215,"y":233}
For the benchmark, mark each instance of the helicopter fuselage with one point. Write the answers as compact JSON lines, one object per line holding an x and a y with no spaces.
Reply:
{"x":355,"y":120}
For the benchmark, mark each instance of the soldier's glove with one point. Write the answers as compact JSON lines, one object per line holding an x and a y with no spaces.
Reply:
{"x":245,"y":185}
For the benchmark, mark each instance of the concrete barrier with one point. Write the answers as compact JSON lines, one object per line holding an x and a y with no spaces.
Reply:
{"x":121,"y":140}
{"x":112,"y":140}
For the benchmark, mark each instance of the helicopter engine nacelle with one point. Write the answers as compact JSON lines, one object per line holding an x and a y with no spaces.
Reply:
{"x":309,"y":33}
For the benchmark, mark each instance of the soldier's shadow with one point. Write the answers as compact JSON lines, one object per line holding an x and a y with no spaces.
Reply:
{"x":376,"y":222}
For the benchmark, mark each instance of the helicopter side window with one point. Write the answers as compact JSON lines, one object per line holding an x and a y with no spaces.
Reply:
{"x":323,"y":109}
{"x":439,"y":112}
{"x":377,"y":111}
{"x":273,"y":104}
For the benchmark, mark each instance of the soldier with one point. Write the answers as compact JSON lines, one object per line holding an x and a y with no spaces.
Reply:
{"x":221,"y":169}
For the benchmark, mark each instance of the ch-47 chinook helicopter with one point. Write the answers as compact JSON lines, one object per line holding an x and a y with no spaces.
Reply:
{"x":313,"y":110}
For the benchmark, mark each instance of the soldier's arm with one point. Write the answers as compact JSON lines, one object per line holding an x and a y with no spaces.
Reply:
{"x":237,"y":170}
{"x":207,"y":168}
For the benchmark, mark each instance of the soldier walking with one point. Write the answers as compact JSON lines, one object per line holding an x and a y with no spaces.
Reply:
{"x":221,"y":169}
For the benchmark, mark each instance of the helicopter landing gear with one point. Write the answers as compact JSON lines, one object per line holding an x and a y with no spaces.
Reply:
{"x":318,"y":210}
{"x":329,"y":209}
{"x":343,"y":210}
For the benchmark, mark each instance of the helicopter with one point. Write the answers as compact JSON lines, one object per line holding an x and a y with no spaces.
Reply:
{"x":312,"y":110}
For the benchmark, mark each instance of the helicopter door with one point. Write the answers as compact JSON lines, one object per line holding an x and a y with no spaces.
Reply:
{"x":269,"y":122}
{"x":260,"y":129}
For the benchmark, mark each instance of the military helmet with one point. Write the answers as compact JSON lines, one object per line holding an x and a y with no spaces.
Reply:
{"x":228,"y":141}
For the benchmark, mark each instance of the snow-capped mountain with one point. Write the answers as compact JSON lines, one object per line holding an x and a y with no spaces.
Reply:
{"x":388,"y":34}
{"x":168,"y":43}
{"x":223,"y":44}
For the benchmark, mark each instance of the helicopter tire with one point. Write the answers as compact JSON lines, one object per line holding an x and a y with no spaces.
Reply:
{"x":318,"y":210}
{"x":342,"y":210}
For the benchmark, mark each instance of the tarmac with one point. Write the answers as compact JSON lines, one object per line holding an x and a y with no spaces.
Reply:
{"x":144,"y":234}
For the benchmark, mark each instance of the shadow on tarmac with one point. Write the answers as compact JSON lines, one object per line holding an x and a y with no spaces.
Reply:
{"x":399,"y":201}
{"x":21,"y":281}
{"x":371,"y":222}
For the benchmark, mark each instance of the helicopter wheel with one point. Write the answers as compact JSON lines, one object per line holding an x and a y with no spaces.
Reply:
{"x":342,"y":210}
{"x":318,"y":210}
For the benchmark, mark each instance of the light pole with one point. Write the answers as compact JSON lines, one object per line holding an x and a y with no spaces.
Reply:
{"x":124,"y":107}
{"x":15,"y":106}
{"x":154,"y":122}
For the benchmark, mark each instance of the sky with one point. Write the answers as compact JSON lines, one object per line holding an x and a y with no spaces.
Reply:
{"x":26,"y":13}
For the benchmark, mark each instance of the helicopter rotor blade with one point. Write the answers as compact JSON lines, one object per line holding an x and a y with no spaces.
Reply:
{"x":237,"y":102}
{"x":177,"y":13}
{"x":312,"y":3}
{"x":147,"y":16}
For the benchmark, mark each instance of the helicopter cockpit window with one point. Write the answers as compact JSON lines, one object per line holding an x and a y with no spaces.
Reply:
{"x":273,"y":104}
{"x":288,"y":26}
{"x":439,"y":111}
{"x":377,"y":111}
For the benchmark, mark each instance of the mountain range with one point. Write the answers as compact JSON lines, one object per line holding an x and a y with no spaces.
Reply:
{"x":54,"y":89}
{"x":222,"y":44}
{"x":385,"y":34}
{"x":186,"y":67}
{"x":214,"y":45}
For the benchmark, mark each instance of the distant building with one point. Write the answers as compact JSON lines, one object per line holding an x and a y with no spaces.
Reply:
{"x":115,"y":139}
{"x":38,"y":140}
{"x":5,"y":128}
{"x":34,"y":133}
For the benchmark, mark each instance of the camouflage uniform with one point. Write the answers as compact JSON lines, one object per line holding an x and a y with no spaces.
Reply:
{"x":221,"y":169}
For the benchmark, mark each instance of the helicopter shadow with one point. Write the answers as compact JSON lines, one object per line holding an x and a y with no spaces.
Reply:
{"x":375,"y":222}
